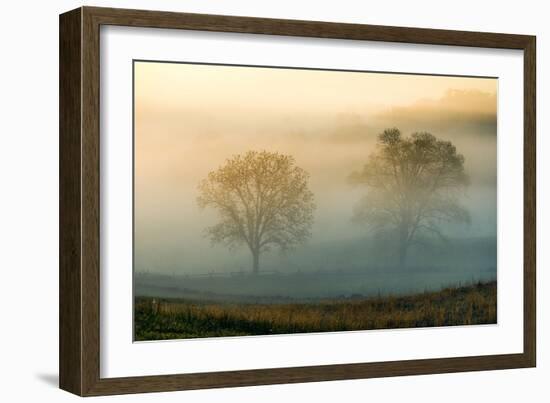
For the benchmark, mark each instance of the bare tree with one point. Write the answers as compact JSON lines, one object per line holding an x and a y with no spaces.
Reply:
{"x":412,"y":186}
{"x":263,"y":201}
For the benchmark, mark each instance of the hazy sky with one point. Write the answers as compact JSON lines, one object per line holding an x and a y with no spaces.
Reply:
{"x":190,"y":118}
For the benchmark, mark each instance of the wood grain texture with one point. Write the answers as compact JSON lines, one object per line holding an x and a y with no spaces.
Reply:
{"x":90,"y":202}
{"x":80,"y":196}
{"x":70,"y":276}
{"x":317,"y":29}
{"x":530,"y":202}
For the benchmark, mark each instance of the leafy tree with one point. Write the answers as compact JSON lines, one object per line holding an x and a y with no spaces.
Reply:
{"x":263,"y":201}
{"x":412,"y":185}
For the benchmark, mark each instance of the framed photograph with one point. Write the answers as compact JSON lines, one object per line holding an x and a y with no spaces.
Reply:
{"x":249,"y":201}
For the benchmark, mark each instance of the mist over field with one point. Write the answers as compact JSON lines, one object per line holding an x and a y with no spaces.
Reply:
{"x":190,"y":119}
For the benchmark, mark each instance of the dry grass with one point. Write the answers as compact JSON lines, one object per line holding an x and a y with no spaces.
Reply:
{"x":171,"y":319}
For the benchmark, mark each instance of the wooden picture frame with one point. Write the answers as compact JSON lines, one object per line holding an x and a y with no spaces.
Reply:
{"x":79,"y":279}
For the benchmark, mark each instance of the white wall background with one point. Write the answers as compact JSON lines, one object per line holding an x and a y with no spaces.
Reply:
{"x":29,"y":202}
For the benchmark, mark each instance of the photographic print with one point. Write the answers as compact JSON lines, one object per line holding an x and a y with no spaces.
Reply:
{"x":274,"y":200}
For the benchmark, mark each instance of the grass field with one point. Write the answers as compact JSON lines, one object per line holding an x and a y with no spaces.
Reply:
{"x":162,"y":319}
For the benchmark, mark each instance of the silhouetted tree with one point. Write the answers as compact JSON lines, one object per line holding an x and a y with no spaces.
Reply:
{"x":412,"y":186}
{"x":263,"y":201}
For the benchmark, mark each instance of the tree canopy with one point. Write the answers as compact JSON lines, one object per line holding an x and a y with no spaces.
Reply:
{"x":413,"y":184}
{"x":263,"y":201}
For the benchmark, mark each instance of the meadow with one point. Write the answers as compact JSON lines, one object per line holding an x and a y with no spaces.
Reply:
{"x":170,"y":318}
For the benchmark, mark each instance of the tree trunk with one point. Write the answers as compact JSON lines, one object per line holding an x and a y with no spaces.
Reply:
{"x":255,"y":261}
{"x":403,"y":245}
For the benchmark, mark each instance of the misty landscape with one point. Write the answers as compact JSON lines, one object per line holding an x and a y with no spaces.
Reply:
{"x":285,"y":201}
